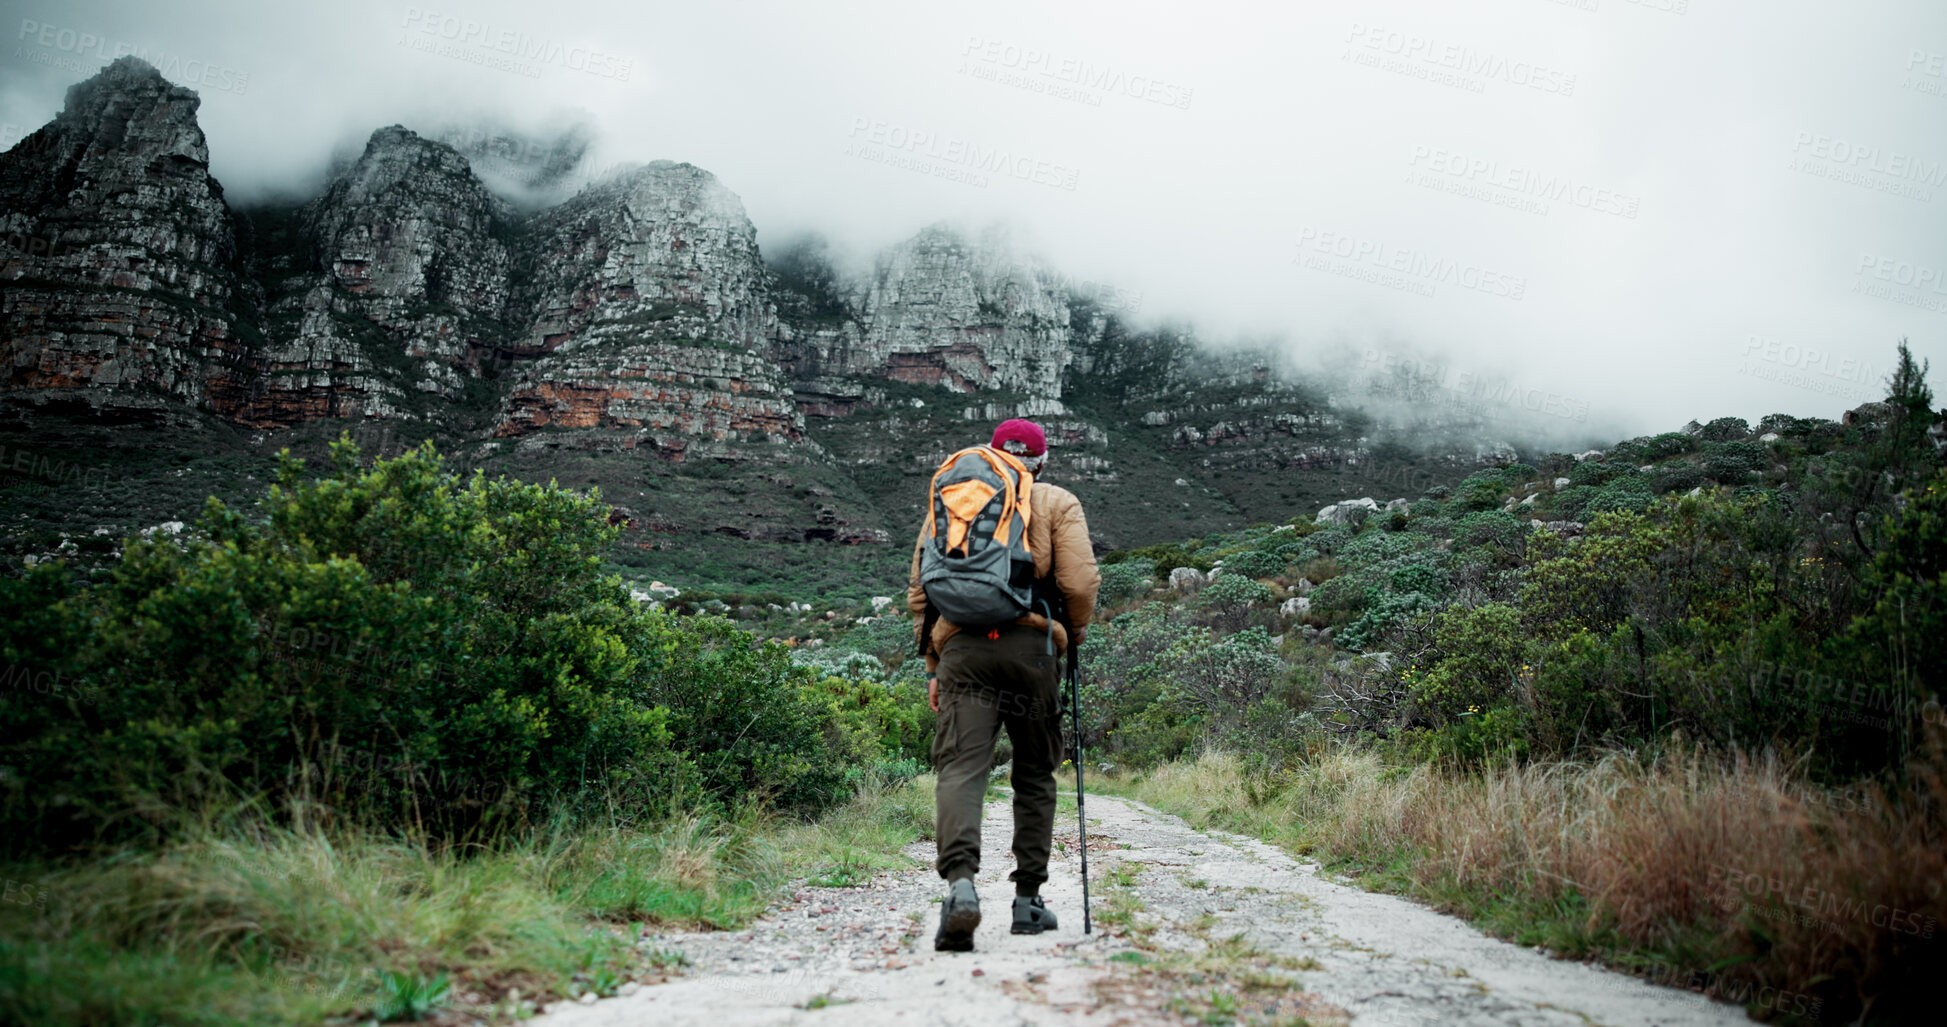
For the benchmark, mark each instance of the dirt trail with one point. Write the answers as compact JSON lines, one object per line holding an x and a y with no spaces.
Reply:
{"x":1192,"y":926}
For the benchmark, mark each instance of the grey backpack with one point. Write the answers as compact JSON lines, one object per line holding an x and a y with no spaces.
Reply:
{"x":974,"y":562}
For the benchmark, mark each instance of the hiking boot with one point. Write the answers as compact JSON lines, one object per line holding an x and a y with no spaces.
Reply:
{"x":959,"y":915}
{"x":1031,"y":916}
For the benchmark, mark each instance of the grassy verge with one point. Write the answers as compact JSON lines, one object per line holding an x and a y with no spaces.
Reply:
{"x":263,"y":925}
{"x":1726,"y":876}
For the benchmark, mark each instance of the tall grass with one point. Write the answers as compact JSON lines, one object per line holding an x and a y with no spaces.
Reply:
{"x":252,"y":924}
{"x":1686,"y":867}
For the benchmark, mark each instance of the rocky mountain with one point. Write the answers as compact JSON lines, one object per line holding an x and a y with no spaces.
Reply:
{"x":632,"y":336}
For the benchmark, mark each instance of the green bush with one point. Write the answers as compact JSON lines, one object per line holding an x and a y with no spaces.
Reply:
{"x":1126,"y":580}
{"x":1491,"y":528}
{"x":1679,"y":478}
{"x":1624,"y":492}
{"x":1481,"y":490}
{"x":1481,"y":655}
{"x":1256,"y":563}
{"x":1231,"y":598}
{"x":388,"y":644}
{"x":1725,"y":429}
{"x":1385,"y":613}
{"x":1346,"y":593}
{"x":1731,"y":463}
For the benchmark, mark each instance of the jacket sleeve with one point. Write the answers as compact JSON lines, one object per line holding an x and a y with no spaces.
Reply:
{"x":1075,"y":570}
{"x":916,"y":599}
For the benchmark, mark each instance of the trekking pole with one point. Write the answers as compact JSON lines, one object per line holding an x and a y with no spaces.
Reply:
{"x":1081,"y":811}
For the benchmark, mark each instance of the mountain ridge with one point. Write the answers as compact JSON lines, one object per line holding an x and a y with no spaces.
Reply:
{"x":628,"y":335}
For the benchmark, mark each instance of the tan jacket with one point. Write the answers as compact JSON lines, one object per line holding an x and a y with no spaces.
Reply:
{"x":1058,"y":538}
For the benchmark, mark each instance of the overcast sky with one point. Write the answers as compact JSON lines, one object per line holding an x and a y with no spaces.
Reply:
{"x":1662,"y":209}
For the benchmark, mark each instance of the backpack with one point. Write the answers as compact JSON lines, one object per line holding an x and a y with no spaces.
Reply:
{"x":974,"y":563}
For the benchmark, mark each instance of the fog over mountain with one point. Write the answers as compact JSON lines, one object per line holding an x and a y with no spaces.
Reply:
{"x":1634,"y":213}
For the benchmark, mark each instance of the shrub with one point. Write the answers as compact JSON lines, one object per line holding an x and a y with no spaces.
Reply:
{"x":1129,"y":579}
{"x":1385,"y":613}
{"x":1231,"y":597}
{"x":1256,"y":563}
{"x":1624,"y":492}
{"x":1481,"y":655}
{"x":1656,"y":448}
{"x":1481,"y":490}
{"x":1344,"y":593}
{"x":1377,"y":546}
{"x":1731,"y":463}
{"x":1679,"y":478}
{"x":1725,"y":429}
{"x":388,"y":644}
{"x":1494,"y":527}
{"x":1596,"y":472}
{"x":1331,"y":540}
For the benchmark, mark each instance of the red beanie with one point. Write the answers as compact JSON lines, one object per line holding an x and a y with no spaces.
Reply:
{"x":1021,"y":438}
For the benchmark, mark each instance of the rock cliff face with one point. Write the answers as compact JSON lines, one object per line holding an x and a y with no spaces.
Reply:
{"x":388,"y":288}
{"x":633,"y":325}
{"x":118,"y":252}
{"x":647,"y":303}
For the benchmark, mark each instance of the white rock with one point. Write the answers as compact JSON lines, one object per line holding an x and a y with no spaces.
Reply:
{"x":1561,"y":483}
{"x":1304,"y":586}
{"x":1297,"y":606}
{"x":1698,"y":491}
{"x":1185,"y":580}
{"x":1647,"y":468}
{"x":1588,"y":455}
{"x":1770,"y":436}
{"x":880,"y":603}
{"x":1349,"y":511}
{"x":1530,"y":501}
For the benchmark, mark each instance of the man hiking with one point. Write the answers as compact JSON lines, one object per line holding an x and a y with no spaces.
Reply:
{"x":995,"y":607}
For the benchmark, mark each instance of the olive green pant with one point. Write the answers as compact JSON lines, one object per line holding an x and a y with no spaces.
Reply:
{"x":987,"y":683}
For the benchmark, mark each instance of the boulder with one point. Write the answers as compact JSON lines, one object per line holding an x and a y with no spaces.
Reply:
{"x":1349,"y":511}
{"x":1296,"y":607}
{"x":1185,"y":580}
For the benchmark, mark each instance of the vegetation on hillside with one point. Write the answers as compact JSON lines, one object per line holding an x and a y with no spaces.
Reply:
{"x":393,"y":734}
{"x":1677,"y":703}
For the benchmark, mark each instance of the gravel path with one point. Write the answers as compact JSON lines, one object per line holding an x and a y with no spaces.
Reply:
{"x":1192,"y":927}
